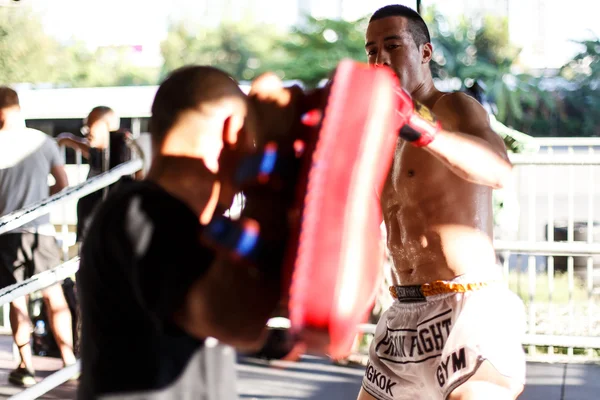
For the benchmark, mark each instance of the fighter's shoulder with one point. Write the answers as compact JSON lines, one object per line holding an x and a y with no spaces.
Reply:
{"x":33,"y":132}
{"x":459,"y":103}
{"x":122,"y":193}
{"x":132,"y":203}
{"x":31,"y":137}
{"x":458,"y":109}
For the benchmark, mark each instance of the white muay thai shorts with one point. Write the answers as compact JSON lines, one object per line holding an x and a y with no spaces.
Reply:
{"x":435,"y":336}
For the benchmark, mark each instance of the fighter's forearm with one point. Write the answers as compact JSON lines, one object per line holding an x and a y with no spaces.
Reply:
{"x":471,"y":158}
{"x":75,"y":144}
{"x":221,"y":288}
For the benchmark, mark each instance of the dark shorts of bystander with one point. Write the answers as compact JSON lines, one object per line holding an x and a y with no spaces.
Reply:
{"x":25,"y":254}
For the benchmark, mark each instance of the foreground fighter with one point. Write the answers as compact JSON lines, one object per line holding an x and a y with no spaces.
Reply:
{"x":151,"y":292}
{"x":454,"y":331}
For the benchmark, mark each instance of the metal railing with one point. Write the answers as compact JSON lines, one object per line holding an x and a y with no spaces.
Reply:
{"x":557,"y":190}
{"x":561,"y":306}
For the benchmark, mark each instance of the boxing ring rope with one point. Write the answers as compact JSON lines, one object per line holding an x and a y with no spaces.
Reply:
{"x":48,"y":278}
{"x":57,"y":378}
{"x":39,"y":281}
{"x":28,"y":214}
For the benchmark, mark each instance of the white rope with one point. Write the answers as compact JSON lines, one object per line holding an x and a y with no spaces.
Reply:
{"x":49,"y":383}
{"x":40,"y":281}
{"x":20,"y":217}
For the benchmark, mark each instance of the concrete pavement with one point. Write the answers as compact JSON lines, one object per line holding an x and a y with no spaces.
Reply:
{"x":318,"y":378}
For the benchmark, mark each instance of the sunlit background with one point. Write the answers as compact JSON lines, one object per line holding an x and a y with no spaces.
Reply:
{"x":535,"y":63}
{"x":538,"y":58}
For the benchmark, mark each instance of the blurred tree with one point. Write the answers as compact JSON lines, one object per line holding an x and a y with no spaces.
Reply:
{"x":582,"y":101}
{"x":315,"y":47}
{"x":239,"y":49}
{"x":26,"y":53}
{"x":480,"y":49}
{"x":108,"y":66}
{"x":451,"y":44}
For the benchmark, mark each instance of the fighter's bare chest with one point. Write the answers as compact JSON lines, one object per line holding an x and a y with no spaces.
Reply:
{"x":414,"y":174}
{"x":409,"y":167}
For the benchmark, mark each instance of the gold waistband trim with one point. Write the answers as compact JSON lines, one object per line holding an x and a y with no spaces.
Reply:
{"x":444,"y":287}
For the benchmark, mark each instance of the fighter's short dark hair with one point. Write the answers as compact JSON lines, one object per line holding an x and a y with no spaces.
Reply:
{"x":417,"y":27}
{"x":8,"y":97}
{"x":185,"y":89}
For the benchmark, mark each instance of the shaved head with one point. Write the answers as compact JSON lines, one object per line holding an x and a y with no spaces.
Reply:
{"x":97,"y":114}
{"x":194,"y":88}
{"x":101,"y":114}
{"x":8,"y":98}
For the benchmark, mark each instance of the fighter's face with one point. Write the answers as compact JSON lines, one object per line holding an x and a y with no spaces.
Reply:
{"x":390,"y":43}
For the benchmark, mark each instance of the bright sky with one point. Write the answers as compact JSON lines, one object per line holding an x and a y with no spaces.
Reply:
{"x":105,"y":22}
{"x":113,"y":22}
{"x":560,"y":22}
{"x":543,"y":28}
{"x":144,"y":21}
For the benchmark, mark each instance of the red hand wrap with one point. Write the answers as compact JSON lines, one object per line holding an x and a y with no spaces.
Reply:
{"x":418,"y":125}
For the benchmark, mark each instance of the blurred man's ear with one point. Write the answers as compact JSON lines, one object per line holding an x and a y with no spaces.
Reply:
{"x":114,"y":122}
{"x":232,"y":129}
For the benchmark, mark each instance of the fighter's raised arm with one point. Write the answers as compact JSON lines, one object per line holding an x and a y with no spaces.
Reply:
{"x":461,"y":138}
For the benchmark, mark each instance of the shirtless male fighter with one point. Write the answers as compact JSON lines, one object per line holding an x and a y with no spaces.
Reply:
{"x":454,"y":331}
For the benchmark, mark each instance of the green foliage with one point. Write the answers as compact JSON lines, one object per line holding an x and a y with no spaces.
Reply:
{"x":519,"y":283}
{"x":584,"y":67}
{"x":313,"y":49}
{"x":309,"y":52}
{"x":582,"y":104}
{"x":464,"y":49}
{"x":103,"y":67}
{"x":238,"y":49}
{"x":493,"y":44}
{"x":482,"y":51}
{"x":572,"y":108}
{"x":26,"y":53}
